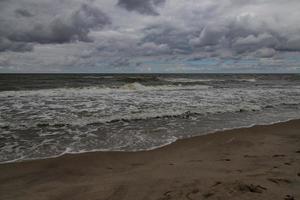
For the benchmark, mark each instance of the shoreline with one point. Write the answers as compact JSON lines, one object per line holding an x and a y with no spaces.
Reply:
{"x":151,"y":149}
{"x":260,"y":162}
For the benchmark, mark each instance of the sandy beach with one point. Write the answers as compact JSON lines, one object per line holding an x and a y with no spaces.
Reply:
{"x":262,"y":162}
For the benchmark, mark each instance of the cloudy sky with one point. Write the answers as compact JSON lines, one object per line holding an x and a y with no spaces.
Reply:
{"x":150,"y":36}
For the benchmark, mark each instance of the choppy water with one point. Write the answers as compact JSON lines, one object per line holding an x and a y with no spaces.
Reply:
{"x":48,"y":115}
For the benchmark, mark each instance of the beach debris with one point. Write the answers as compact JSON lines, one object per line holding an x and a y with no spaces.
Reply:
{"x":59,"y":125}
{"x":230,"y":140}
{"x":5,"y":127}
{"x":298,"y":151}
{"x":269,"y":106}
{"x":289,"y":197}
{"x":42,"y":125}
{"x":279,"y":180}
{"x":251,"y":188}
{"x":298,"y":174}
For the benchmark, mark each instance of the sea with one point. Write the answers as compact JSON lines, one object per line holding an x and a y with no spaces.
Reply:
{"x":48,"y":115}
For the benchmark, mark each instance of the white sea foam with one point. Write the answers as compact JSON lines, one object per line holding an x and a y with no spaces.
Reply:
{"x":186,"y":80}
{"x":130,"y":87}
{"x":132,"y":117}
{"x":197,"y":80}
{"x":249,"y":80}
{"x":90,"y":105}
{"x":172,"y":139}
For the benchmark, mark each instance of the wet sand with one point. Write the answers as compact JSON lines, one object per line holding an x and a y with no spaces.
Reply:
{"x":262,"y":162}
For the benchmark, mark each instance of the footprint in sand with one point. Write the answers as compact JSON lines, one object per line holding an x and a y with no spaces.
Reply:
{"x":278,"y":155}
{"x":216,"y":183}
{"x":195,"y":160}
{"x":208,"y":194}
{"x":251,"y":188}
{"x":194,"y":191}
{"x":136,"y":164}
{"x":226,"y":159}
{"x":289,"y":197}
{"x":166,"y":196}
{"x":279,"y":180}
{"x":250,"y":156}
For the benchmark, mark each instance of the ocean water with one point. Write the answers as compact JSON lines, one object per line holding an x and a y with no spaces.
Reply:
{"x":46,"y":115}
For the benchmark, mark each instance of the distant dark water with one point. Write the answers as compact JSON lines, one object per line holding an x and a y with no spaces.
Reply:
{"x":47,"y":115}
{"x":15,"y":82}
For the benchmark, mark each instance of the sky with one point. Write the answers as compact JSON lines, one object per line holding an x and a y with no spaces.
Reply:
{"x":149,"y":36}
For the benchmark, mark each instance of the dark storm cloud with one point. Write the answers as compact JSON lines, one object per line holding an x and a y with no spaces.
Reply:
{"x":23,"y":13}
{"x":147,"y":7}
{"x":62,"y":30}
{"x":75,"y":26}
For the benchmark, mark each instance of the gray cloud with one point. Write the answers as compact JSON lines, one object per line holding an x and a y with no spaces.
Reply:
{"x":66,"y":33}
{"x":147,"y":7}
{"x":18,"y":34}
{"x":7,"y":45}
{"x":241,"y":35}
{"x":265,"y":53}
{"x":292,"y":44}
{"x":176,"y":39}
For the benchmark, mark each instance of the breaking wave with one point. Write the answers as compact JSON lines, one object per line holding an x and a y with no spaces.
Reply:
{"x":72,"y":114}
{"x":129,"y":87}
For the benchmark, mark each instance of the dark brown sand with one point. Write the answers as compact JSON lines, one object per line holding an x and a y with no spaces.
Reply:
{"x":262,"y":162}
